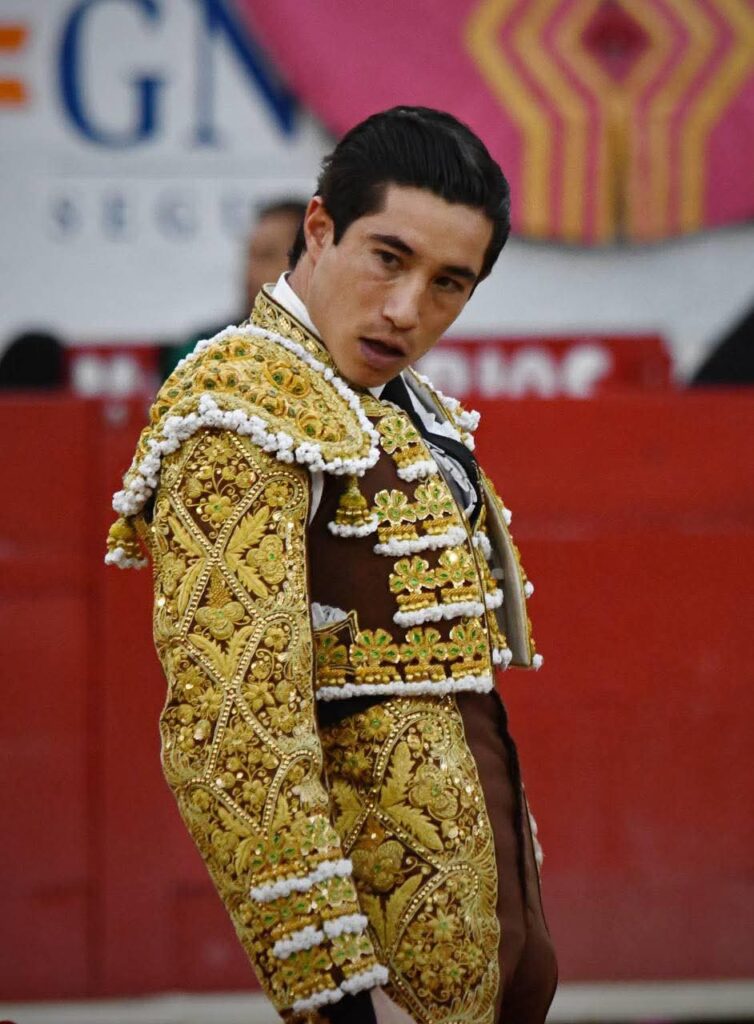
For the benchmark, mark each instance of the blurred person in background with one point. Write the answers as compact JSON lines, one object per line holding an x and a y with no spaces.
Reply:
{"x":335,"y":588}
{"x":33,"y":360}
{"x":269,"y":244}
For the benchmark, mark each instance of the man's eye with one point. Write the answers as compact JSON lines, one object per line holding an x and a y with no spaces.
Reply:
{"x":388,"y":259}
{"x":448,"y":284}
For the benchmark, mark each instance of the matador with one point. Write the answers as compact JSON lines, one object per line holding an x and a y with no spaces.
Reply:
{"x":335,"y":591}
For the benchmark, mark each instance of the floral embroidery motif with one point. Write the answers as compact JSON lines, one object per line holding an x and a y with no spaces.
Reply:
{"x":409,"y":579}
{"x":467,"y":648}
{"x":374,"y":655}
{"x":423,"y":652}
{"x":413,"y":821}
{"x":429,"y":522}
{"x":400,"y":439}
{"x":240,"y":746}
{"x":434,"y":502}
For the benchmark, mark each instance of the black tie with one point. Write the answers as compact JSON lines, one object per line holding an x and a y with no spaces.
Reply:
{"x":397,"y":392}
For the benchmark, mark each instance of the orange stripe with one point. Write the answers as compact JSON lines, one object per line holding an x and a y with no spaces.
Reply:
{"x":522,"y":106}
{"x":640,"y":200}
{"x":602,"y":87}
{"x":530,"y":45}
{"x":710,"y":106}
{"x":12,"y":92}
{"x":696,"y":52}
{"x":13,"y":37}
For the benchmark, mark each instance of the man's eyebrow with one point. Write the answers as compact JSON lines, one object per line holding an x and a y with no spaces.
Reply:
{"x":395,"y":242}
{"x":466,"y":272}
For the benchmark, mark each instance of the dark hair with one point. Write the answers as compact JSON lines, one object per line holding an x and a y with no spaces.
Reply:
{"x":417,"y":147}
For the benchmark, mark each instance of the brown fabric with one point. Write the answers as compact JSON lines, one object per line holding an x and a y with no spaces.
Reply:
{"x":528,"y":968}
{"x":345,"y":572}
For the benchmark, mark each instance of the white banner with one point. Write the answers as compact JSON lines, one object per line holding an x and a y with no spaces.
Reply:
{"x":135,"y":145}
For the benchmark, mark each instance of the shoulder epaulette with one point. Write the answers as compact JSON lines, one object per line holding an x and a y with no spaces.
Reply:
{"x":260,"y":385}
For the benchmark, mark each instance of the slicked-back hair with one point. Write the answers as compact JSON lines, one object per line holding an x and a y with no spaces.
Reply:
{"x":417,"y":147}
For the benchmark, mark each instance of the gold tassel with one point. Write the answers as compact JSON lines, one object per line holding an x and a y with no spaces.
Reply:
{"x":353,"y":509}
{"x":123,"y":535}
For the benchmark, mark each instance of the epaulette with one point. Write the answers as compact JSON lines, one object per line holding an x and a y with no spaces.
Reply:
{"x":258,"y":384}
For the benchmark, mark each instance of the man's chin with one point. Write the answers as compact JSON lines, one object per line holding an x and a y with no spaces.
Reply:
{"x":368,"y":379}
{"x":369,"y":373}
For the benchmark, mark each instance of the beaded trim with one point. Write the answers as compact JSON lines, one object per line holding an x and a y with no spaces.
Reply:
{"x":451,"y":610}
{"x":436,"y":687}
{"x":322,"y":998}
{"x":118,"y":557}
{"x":177,"y":429}
{"x":482,"y":541}
{"x":429,"y":542}
{"x":418,"y":470}
{"x":305,"y":938}
{"x":284,"y":887}
{"x":346,"y":924}
{"x":354,"y":531}
{"x":502,"y":656}
{"x":437,"y":612}
{"x":376,"y":975}
{"x":467,"y":419}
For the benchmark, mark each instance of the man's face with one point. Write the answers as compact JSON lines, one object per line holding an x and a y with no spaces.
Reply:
{"x":267,"y":255}
{"x":395,"y":282}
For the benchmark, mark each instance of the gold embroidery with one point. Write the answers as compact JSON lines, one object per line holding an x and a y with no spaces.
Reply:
{"x":374,"y":655}
{"x":433,"y":507}
{"x":422,"y":653}
{"x":395,"y":514}
{"x":456,"y":574}
{"x":267,"y":314}
{"x":410,"y":812}
{"x":412,"y":581}
{"x":400,"y":438}
{"x":467,"y":648}
{"x":435,"y":504}
{"x":267,"y":384}
{"x":240,"y":747}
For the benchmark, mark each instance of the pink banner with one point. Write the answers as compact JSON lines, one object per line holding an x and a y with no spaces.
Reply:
{"x":611,"y":119}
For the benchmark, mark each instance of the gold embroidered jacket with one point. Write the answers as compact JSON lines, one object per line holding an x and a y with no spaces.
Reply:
{"x":261,"y":610}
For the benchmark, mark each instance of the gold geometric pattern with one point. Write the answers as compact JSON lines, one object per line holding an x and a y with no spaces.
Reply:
{"x":410,"y":812}
{"x":606,"y":156}
{"x":239,"y":738}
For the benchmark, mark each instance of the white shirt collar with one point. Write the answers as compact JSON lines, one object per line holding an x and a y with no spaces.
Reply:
{"x":285,"y":295}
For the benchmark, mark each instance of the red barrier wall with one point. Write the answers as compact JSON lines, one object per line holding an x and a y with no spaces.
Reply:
{"x":636,"y":520}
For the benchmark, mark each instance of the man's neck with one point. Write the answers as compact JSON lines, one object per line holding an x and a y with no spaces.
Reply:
{"x":299,"y":279}
{"x":292,"y":302}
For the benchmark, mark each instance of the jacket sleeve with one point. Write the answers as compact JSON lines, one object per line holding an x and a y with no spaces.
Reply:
{"x":240,"y":748}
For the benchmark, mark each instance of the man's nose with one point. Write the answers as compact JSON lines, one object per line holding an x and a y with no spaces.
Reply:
{"x":402,"y":305}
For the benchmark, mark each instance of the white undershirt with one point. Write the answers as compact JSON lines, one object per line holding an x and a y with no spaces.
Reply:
{"x":454,"y":473}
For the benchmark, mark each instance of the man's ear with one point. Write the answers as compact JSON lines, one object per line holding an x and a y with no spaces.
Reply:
{"x":319,"y":229}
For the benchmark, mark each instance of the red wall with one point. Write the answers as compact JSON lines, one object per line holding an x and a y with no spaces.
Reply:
{"x":636,"y":520}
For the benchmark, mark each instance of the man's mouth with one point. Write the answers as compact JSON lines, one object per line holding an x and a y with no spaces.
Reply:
{"x":380,"y":353}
